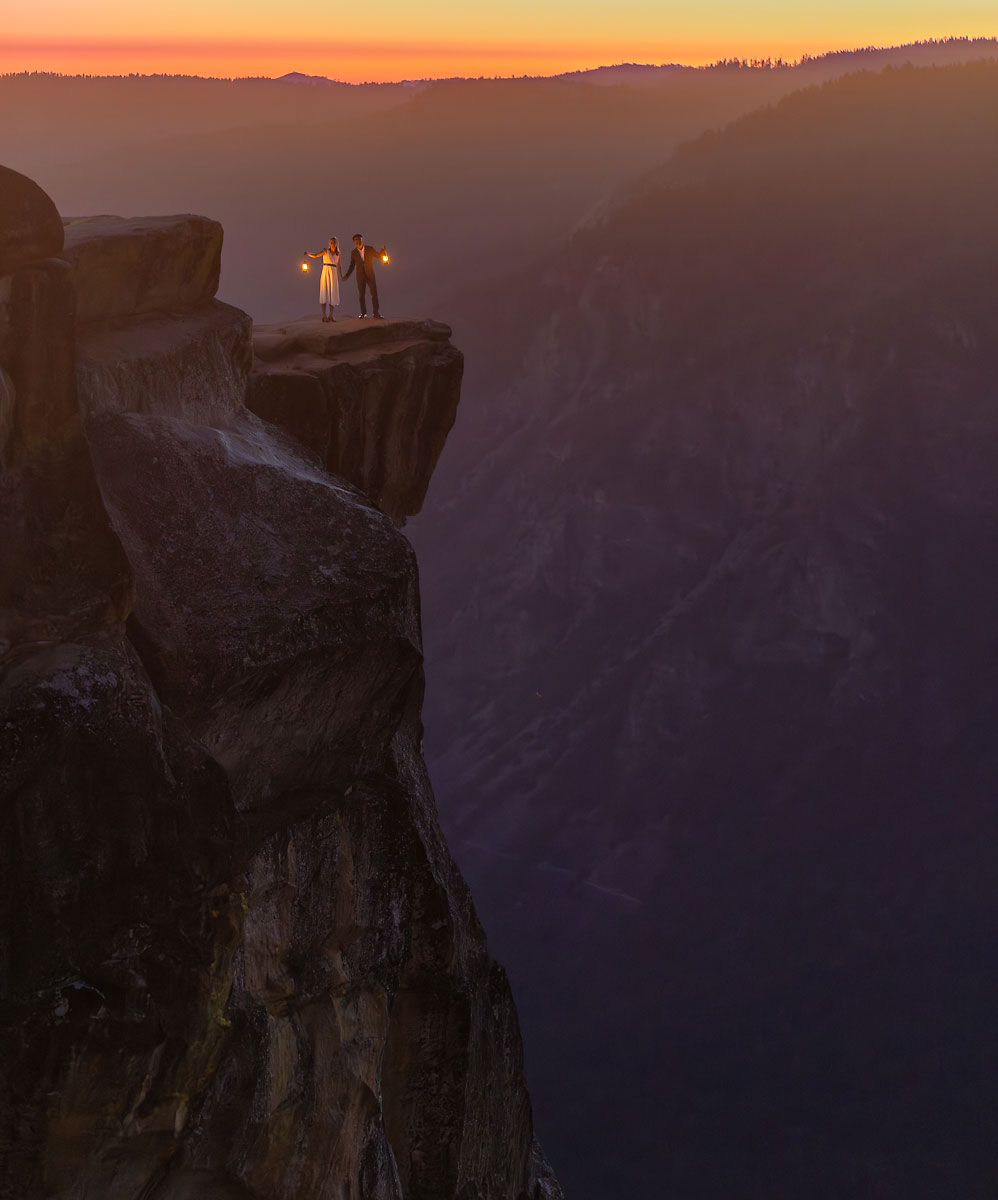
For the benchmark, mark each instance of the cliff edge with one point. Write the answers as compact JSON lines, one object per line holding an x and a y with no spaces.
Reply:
{"x":237,"y":960}
{"x":374,"y":399}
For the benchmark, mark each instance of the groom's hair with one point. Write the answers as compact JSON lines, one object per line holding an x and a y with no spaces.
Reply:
{"x":358,"y":237}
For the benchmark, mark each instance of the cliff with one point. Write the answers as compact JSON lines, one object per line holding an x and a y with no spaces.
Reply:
{"x":375,"y":400}
{"x":237,"y":958}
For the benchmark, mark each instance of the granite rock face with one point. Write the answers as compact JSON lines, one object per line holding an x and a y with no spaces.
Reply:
{"x":142,"y":264}
{"x":374,"y":399}
{"x":62,"y":572}
{"x":237,"y":959}
{"x":30,"y":225}
{"x":191,"y":364}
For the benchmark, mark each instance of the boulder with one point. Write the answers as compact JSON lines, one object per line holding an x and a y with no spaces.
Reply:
{"x":30,"y":225}
{"x":187,"y":364}
{"x":275,"y":605}
{"x":124,"y":267}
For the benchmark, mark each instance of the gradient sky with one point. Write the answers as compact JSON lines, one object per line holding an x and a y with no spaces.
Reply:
{"x":398,"y":39}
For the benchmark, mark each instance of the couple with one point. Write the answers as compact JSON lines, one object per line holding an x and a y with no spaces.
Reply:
{"x":361,"y":260}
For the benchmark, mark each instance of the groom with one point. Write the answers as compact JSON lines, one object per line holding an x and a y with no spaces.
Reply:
{"x":363,"y":259}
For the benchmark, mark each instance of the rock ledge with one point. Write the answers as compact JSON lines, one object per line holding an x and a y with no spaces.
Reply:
{"x":374,"y":400}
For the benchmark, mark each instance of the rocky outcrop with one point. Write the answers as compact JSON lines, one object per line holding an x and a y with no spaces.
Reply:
{"x":144,"y":264}
{"x":359,"y":393}
{"x":62,"y":573}
{"x":193,"y":365}
{"x":237,"y":959}
{"x":30,"y":225}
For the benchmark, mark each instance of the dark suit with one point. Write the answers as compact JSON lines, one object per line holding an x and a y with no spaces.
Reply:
{"x":364,"y":262}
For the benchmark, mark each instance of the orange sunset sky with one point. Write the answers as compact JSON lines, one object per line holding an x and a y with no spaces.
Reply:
{"x":404,"y":40}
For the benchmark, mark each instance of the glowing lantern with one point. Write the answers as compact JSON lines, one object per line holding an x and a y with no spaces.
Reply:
{"x":384,"y":255}
{"x":304,"y":265}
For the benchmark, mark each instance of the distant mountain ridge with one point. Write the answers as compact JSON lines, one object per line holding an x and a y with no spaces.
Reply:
{"x":530,"y":158}
{"x":956,"y":44}
{"x":932,"y":51}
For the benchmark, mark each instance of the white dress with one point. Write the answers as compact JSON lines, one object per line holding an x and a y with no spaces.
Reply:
{"x":329,"y":281}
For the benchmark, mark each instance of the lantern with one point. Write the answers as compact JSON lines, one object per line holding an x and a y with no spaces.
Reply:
{"x":304,"y":265}
{"x":384,"y":255}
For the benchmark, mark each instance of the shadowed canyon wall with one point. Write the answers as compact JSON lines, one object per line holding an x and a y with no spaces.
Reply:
{"x":237,"y":959}
{"x":709,"y":591}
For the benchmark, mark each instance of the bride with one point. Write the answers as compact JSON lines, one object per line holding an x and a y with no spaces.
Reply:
{"x":329,"y":281}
